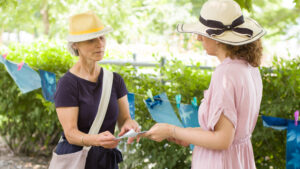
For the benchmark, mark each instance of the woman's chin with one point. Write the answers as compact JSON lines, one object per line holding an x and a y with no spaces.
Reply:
{"x":99,"y":57}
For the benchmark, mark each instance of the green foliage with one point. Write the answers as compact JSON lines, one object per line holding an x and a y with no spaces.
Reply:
{"x":30,"y":125}
{"x":132,"y":20}
{"x":276,"y":17}
{"x":29,"y":122}
{"x":281,"y":98}
{"x":176,"y":77}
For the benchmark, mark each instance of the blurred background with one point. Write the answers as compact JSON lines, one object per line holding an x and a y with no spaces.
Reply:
{"x":149,"y":54}
{"x":147,"y":27}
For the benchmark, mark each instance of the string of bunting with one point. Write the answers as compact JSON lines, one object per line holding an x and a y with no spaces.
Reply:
{"x":159,"y":106}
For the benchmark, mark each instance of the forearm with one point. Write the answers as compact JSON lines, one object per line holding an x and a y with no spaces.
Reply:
{"x":76,"y":137}
{"x":200,"y":137}
{"x":121,"y":121}
{"x":220,"y":139}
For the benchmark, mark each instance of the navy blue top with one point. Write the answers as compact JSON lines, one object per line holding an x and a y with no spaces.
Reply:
{"x":73,"y":91}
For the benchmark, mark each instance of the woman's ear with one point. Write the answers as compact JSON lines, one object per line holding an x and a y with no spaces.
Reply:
{"x":74,"y":46}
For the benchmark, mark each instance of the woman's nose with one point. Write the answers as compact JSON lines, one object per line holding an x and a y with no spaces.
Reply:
{"x":100,"y":41}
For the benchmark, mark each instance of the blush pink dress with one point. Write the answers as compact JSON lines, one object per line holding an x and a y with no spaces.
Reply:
{"x":236,"y":91}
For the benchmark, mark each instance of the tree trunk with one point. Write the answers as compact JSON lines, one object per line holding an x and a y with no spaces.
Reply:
{"x":45,"y":15}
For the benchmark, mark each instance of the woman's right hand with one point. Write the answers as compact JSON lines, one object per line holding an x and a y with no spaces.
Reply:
{"x":106,"y":140}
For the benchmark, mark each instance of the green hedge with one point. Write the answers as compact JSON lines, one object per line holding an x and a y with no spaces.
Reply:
{"x":29,"y":123}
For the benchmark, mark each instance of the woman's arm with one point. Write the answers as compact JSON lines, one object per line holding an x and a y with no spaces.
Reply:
{"x":220,"y":139}
{"x":68,"y":117}
{"x":123,"y":111}
{"x":125,"y":123}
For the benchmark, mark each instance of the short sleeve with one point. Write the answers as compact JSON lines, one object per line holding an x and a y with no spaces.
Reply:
{"x":221,"y":98}
{"x":120,"y":86}
{"x":66,"y":94}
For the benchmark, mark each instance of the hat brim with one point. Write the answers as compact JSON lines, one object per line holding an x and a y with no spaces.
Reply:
{"x":84,"y":37}
{"x":228,"y":37}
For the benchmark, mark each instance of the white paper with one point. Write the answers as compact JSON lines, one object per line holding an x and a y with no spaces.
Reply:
{"x":131,"y":133}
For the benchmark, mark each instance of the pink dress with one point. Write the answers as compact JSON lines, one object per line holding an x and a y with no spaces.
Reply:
{"x":235,"y":90}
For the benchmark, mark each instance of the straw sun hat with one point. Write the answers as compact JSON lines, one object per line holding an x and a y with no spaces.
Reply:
{"x":223,"y":21}
{"x":86,"y":26}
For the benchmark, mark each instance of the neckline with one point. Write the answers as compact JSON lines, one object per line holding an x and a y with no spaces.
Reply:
{"x":229,"y":60}
{"x":87,"y":81}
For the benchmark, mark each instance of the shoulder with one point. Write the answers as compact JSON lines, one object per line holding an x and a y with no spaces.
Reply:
{"x":117,"y":78}
{"x":233,"y":74}
{"x":117,"y":75}
{"x":67,"y":80}
{"x":119,"y":85}
{"x":66,"y":94}
{"x":235,"y":69}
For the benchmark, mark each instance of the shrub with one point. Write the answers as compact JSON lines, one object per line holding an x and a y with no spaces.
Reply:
{"x":28,"y":122}
{"x":281,"y":90}
{"x":30,"y":125}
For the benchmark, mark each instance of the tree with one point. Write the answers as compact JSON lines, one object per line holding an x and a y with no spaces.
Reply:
{"x":133,"y":20}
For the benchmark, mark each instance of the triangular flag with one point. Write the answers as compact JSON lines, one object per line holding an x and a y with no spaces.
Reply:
{"x":26,"y":78}
{"x":131,"y":105}
{"x":48,"y":82}
{"x":161,"y":110}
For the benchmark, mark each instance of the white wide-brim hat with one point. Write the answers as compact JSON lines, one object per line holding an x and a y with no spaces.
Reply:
{"x":223,"y":21}
{"x":86,"y":26}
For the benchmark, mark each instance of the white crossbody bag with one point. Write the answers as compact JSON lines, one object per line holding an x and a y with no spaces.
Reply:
{"x":77,"y":160}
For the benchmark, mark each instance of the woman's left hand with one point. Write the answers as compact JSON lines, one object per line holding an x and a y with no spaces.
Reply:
{"x":159,"y":132}
{"x":130,"y":124}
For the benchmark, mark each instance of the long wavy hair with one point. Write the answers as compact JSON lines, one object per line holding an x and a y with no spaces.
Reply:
{"x":251,"y":52}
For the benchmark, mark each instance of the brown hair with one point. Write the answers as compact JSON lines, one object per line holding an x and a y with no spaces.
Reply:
{"x":251,"y":52}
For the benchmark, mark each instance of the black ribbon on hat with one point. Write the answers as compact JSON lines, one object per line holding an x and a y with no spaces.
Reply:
{"x":221,"y":28}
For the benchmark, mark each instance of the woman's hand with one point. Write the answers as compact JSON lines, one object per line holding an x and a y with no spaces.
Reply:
{"x":106,"y":140}
{"x":130,"y":124}
{"x":159,"y":132}
{"x":179,"y":142}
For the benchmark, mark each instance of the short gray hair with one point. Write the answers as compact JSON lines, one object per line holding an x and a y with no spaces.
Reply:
{"x":71,"y":49}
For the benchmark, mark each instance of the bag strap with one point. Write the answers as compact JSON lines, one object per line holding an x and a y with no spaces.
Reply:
{"x":104,"y":100}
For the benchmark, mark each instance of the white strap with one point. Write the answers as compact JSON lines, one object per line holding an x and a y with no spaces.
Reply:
{"x":104,"y":100}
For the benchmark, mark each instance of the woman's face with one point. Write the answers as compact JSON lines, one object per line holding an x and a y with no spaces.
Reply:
{"x":209,"y":45}
{"x":92,"y":49}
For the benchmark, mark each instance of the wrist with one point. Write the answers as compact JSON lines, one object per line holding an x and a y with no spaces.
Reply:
{"x":125,"y":121}
{"x":172,"y":131}
{"x":86,"y":140}
{"x":82,"y":143}
{"x":128,"y":119}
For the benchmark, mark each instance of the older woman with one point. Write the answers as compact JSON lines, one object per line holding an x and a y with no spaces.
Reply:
{"x":78,"y":95}
{"x":230,"y":107}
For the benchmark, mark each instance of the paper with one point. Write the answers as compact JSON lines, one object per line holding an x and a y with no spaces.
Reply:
{"x":162,"y":112}
{"x":189,"y":115}
{"x":293,"y":138}
{"x":131,"y":105}
{"x":48,"y":81}
{"x":130,"y":133}
{"x":26,"y":78}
